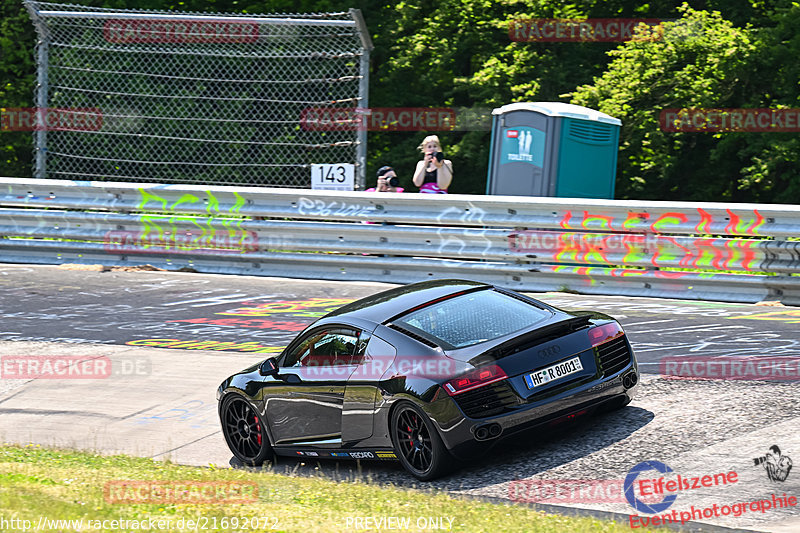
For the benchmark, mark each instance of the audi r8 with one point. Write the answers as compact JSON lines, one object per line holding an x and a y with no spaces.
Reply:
{"x":428,"y":374}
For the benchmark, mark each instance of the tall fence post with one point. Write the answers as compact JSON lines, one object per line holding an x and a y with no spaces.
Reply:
{"x":40,"y":92}
{"x":363,"y":97}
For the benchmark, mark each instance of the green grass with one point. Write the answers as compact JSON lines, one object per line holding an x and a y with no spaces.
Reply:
{"x":68,"y":485}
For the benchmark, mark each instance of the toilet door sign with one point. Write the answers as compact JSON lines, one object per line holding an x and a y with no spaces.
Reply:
{"x":522,"y":145}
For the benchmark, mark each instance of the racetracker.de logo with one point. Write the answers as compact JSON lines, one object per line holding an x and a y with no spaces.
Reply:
{"x":539,"y":241}
{"x":50,"y":119}
{"x":132,"y":242}
{"x":389,"y":119}
{"x":180,"y":492}
{"x":730,"y":120}
{"x":732,"y":368}
{"x":559,"y":491}
{"x":72,"y":366}
{"x":180,"y":31}
{"x":585,"y":30}
{"x":379,"y":367}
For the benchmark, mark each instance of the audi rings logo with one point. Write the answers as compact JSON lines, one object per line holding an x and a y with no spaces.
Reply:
{"x":550,"y":351}
{"x":638,"y":504}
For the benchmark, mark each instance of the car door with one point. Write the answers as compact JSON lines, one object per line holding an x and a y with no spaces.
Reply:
{"x":305,"y":404}
{"x":361,"y":392}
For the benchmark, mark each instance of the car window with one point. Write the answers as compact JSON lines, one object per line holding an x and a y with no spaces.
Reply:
{"x":378,"y":347}
{"x":472,"y":318}
{"x":326,"y":347}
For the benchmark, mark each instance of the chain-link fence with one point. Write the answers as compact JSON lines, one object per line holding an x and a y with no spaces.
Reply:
{"x":167,"y":97}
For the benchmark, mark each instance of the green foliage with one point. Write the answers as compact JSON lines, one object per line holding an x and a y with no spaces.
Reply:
{"x":457,"y":53}
{"x":698,"y":64}
{"x":704,"y":61}
{"x":17,"y":78}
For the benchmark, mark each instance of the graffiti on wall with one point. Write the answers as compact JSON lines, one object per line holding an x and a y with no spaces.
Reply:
{"x":643,"y":250}
{"x":743,"y":222}
{"x":176,"y":233}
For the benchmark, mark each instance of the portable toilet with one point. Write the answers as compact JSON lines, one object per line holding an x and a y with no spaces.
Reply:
{"x":552,"y":149}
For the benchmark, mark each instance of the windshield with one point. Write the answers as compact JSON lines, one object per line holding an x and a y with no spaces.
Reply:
{"x":472,"y":318}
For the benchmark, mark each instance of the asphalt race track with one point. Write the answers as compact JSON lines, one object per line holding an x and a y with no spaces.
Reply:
{"x":171,"y":337}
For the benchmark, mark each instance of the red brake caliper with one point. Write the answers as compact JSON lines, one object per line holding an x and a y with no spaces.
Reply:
{"x":258,"y":427}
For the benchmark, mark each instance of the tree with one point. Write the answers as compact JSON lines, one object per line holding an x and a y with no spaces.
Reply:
{"x":17,"y":72}
{"x":457,"y":53}
{"x":704,"y":61}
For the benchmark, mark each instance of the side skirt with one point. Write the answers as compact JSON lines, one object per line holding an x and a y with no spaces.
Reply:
{"x":373,"y":455}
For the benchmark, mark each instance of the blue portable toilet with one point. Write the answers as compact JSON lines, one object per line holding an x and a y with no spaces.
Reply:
{"x":553,"y":149}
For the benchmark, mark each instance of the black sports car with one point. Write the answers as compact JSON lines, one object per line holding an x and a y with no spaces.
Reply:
{"x":425,"y":374}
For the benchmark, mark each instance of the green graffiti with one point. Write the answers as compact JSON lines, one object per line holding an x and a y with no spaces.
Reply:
{"x":240,"y":202}
{"x":147,"y":196}
{"x":750,"y":227}
{"x":668,"y":220}
{"x":706,"y":259}
{"x":185,"y":199}
{"x":632,"y":221}
{"x":203,"y":232}
{"x":603,"y":222}
{"x":213,"y":203}
{"x":633,"y":257}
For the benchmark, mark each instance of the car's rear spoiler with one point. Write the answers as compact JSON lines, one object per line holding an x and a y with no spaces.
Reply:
{"x":537,"y":335}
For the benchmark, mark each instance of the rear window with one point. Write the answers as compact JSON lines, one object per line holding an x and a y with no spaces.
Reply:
{"x":472,"y":318}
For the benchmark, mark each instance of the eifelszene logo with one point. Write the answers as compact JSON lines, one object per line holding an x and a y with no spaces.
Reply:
{"x":669,"y":487}
{"x":638,"y":504}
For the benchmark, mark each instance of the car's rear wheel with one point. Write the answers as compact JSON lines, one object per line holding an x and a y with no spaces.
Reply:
{"x":244,"y":431}
{"x":417,"y":443}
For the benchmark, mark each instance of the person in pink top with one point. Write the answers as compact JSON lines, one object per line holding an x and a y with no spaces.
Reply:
{"x":387,"y":181}
{"x":434,"y":173}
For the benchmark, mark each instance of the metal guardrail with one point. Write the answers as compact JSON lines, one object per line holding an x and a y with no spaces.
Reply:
{"x":736,"y":252}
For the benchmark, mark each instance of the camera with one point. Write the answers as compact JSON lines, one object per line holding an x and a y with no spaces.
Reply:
{"x":392,"y":181}
{"x":438,"y":155}
{"x":759,"y":460}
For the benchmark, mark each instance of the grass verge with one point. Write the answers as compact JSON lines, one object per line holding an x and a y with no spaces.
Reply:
{"x":45,"y":484}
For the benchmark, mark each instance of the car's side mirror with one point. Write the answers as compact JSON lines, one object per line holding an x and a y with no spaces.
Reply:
{"x":269,"y":367}
{"x":291,"y":379}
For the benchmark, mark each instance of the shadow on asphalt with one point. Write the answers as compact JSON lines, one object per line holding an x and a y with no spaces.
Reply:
{"x":521,"y":456}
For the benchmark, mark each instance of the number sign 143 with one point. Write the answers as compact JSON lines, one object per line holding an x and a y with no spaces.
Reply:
{"x":336,"y":176}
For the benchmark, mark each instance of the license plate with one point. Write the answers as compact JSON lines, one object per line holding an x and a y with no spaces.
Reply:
{"x":553,"y":373}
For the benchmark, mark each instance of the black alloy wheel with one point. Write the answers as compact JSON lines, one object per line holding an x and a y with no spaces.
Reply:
{"x":244,"y":431}
{"x":417,"y":443}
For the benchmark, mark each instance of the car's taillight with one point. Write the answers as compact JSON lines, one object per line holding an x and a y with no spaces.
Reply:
{"x":605,"y":333}
{"x":474,"y":378}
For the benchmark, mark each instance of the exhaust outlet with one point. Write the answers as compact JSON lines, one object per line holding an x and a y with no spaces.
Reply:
{"x":489,"y":431}
{"x":630,"y":380}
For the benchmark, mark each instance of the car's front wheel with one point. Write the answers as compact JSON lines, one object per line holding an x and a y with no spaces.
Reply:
{"x":244,"y":431}
{"x":417,"y":443}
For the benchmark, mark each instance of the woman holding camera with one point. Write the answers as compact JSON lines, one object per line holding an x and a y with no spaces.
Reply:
{"x":434,"y":173}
